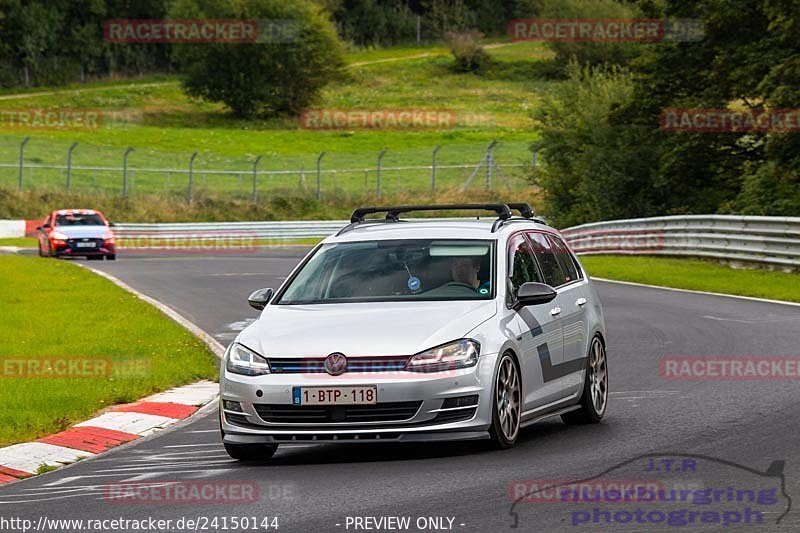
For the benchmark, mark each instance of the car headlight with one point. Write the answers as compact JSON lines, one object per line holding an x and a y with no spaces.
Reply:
{"x":243,"y":360}
{"x":462,"y":353}
{"x":58,"y":236}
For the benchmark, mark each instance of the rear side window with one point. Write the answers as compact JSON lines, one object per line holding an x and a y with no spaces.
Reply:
{"x":522,"y":267}
{"x":553,"y":275}
{"x":565,"y":259}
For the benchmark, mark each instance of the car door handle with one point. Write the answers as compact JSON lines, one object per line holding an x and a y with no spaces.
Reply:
{"x":580,"y":302}
{"x":555,"y":311}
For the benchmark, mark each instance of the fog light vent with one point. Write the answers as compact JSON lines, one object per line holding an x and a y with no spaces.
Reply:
{"x":460,"y":401}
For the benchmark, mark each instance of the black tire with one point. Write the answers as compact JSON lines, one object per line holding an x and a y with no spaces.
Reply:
{"x":94,"y":258}
{"x":594,"y":400}
{"x":506,"y":404}
{"x":41,"y":252}
{"x":251,"y":452}
{"x":111,"y":257}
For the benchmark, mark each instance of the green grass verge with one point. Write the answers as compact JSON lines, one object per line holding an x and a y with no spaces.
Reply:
{"x":695,"y":275}
{"x":168,"y":126}
{"x":22,"y":242}
{"x":54,"y":310}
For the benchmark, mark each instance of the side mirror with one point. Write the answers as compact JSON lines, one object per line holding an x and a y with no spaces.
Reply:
{"x":534,"y":294}
{"x":111,"y":224}
{"x":260,"y":298}
{"x":38,"y":228}
{"x":47,"y":226}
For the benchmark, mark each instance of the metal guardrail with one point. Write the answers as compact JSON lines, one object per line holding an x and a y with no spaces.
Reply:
{"x":253,"y":230}
{"x":773,"y":241}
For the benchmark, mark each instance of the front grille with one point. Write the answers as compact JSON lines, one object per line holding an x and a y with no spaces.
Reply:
{"x":316,"y":365}
{"x":311,"y":414}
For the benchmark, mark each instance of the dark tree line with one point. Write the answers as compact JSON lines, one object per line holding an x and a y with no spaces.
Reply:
{"x":52,"y":42}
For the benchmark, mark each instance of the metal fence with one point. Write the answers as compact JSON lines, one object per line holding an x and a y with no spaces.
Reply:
{"x":773,"y":241}
{"x":125,"y":172}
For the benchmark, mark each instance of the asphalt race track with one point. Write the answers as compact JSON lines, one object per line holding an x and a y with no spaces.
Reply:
{"x":732,"y":429}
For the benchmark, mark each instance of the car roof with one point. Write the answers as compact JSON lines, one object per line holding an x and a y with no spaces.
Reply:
{"x":479,"y":229}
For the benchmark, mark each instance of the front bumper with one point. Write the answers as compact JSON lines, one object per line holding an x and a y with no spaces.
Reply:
{"x":73,"y":250}
{"x":430,"y":419}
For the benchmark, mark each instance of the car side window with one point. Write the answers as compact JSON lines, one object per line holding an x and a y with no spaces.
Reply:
{"x":521,"y":264}
{"x":553,"y":275}
{"x":568,"y":264}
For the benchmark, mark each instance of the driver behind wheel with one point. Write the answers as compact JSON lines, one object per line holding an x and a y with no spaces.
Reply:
{"x":465,"y":270}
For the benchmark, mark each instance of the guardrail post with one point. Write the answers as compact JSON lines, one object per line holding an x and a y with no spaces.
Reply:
{"x":125,"y":171}
{"x":378,"y":177}
{"x":69,"y":163}
{"x":191,"y":177}
{"x":319,"y":176}
{"x":255,"y":180}
{"x":489,"y":164}
{"x":22,"y":160}
{"x":433,"y":168}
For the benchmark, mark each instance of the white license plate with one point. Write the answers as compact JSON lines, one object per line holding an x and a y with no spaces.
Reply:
{"x":334,"y":395}
{"x":85,"y":244}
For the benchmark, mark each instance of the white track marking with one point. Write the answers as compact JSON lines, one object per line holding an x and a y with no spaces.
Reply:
{"x":199,"y":393}
{"x":29,"y":456}
{"x":193,"y":445}
{"x":61,"y":481}
{"x":750,"y":298}
{"x":127,"y":422}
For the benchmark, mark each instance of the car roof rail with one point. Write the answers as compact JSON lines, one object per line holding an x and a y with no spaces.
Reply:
{"x":524,"y":208}
{"x":393,"y":212}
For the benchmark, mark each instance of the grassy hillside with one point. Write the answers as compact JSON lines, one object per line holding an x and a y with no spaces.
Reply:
{"x":166,"y":127}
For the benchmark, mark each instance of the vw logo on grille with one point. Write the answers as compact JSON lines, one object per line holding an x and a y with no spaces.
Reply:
{"x":336,"y":364}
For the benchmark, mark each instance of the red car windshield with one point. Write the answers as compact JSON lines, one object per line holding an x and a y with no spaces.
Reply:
{"x":79,"y":220}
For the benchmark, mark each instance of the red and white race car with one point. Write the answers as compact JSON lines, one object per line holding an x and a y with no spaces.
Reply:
{"x":77,"y":232}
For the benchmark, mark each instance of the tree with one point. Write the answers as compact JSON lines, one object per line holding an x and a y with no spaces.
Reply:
{"x":267,"y":78}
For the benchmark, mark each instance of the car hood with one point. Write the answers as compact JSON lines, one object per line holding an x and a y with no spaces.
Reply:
{"x":362,"y":329}
{"x":81,"y":232}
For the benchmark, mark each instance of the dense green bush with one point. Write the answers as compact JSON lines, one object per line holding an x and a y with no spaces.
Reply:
{"x":261,"y":78}
{"x":593,"y":169}
{"x":469,"y":55}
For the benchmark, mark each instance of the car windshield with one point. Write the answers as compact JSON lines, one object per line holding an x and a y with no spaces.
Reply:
{"x":396,"y":270}
{"x":79,"y":220}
